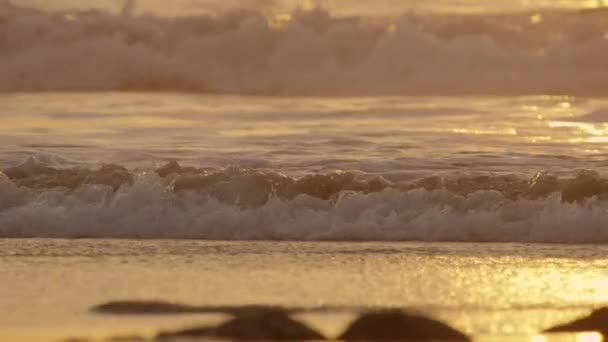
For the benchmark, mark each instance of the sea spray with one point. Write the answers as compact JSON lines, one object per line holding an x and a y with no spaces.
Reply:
{"x":308,"y":52}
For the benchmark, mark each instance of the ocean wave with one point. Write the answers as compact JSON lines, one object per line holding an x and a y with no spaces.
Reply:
{"x":173,"y":201}
{"x":306,"y":52}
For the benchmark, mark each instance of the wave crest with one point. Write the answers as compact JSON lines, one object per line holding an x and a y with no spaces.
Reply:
{"x":307,"y":52}
{"x":252,"y":187}
{"x":237,"y":203}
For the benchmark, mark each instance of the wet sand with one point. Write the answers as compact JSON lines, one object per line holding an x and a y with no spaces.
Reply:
{"x":491,"y":292}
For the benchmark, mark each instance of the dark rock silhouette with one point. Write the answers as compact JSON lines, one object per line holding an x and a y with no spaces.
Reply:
{"x":264,"y":324}
{"x":596,"y":321}
{"x":166,"y":308}
{"x":142,"y":308}
{"x":396,"y":325}
{"x":138,"y":307}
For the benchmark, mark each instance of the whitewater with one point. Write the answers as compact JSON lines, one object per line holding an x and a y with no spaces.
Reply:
{"x":272,"y":122}
{"x":262,"y":50}
{"x":194,"y":166}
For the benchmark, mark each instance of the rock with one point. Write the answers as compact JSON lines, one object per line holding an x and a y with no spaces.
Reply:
{"x":395,"y":325}
{"x":269,"y":324}
{"x":596,"y":321}
{"x":143,"y":308}
{"x":135,"y":307}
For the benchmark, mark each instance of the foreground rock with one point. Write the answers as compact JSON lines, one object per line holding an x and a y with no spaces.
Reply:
{"x":399,"y":326}
{"x":596,"y":321}
{"x":144,"y":308}
{"x":166,"y":308}
{"x":260,"y":325}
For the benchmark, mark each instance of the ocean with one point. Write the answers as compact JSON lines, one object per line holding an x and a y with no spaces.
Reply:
{"x":448,"y":160}
{"x":471,"y":169}
{"x":448,"y":172}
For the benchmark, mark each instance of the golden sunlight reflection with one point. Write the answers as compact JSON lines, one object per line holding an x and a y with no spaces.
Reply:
{"x":592,"y":3}
{"x":530,"y":108}
{"x":70,"y":17}
{"x":279,"y":20}
{"x":507,"y":131}
{"x":269,"y":131}
{"x":558,"y":97}
{"x":589,"y":337}
{"x":540,"y":138}
{"x":597,"y":139}
{"x":536,"y":18}
{"x":308,"y":4}
{"x":538,"y":338}
{"x":583,"y":127}
{"x":590,"y":286}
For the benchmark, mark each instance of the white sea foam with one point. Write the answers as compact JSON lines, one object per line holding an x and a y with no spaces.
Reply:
{"x":246,"y":205}
{"x":305,"y":52}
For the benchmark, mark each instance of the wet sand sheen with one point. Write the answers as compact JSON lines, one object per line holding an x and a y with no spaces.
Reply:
{"x":475,"y":288}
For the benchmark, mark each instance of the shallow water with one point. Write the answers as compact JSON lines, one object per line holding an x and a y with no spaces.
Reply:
{"x":368,"y":168}
{"x":486,"y":290}
{"x":397,"y":136}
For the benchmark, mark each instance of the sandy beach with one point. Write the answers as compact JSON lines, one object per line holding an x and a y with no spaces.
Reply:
{"x":493,"y":292}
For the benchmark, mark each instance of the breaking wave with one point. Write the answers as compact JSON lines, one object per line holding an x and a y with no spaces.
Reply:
{"x":307,"y":52}
{"x":234,"y":203}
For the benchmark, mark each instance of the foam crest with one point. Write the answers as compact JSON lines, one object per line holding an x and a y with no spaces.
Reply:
{"x":240,"y":203}
{"x":251,"y":187}
{"x":305,"y":52}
